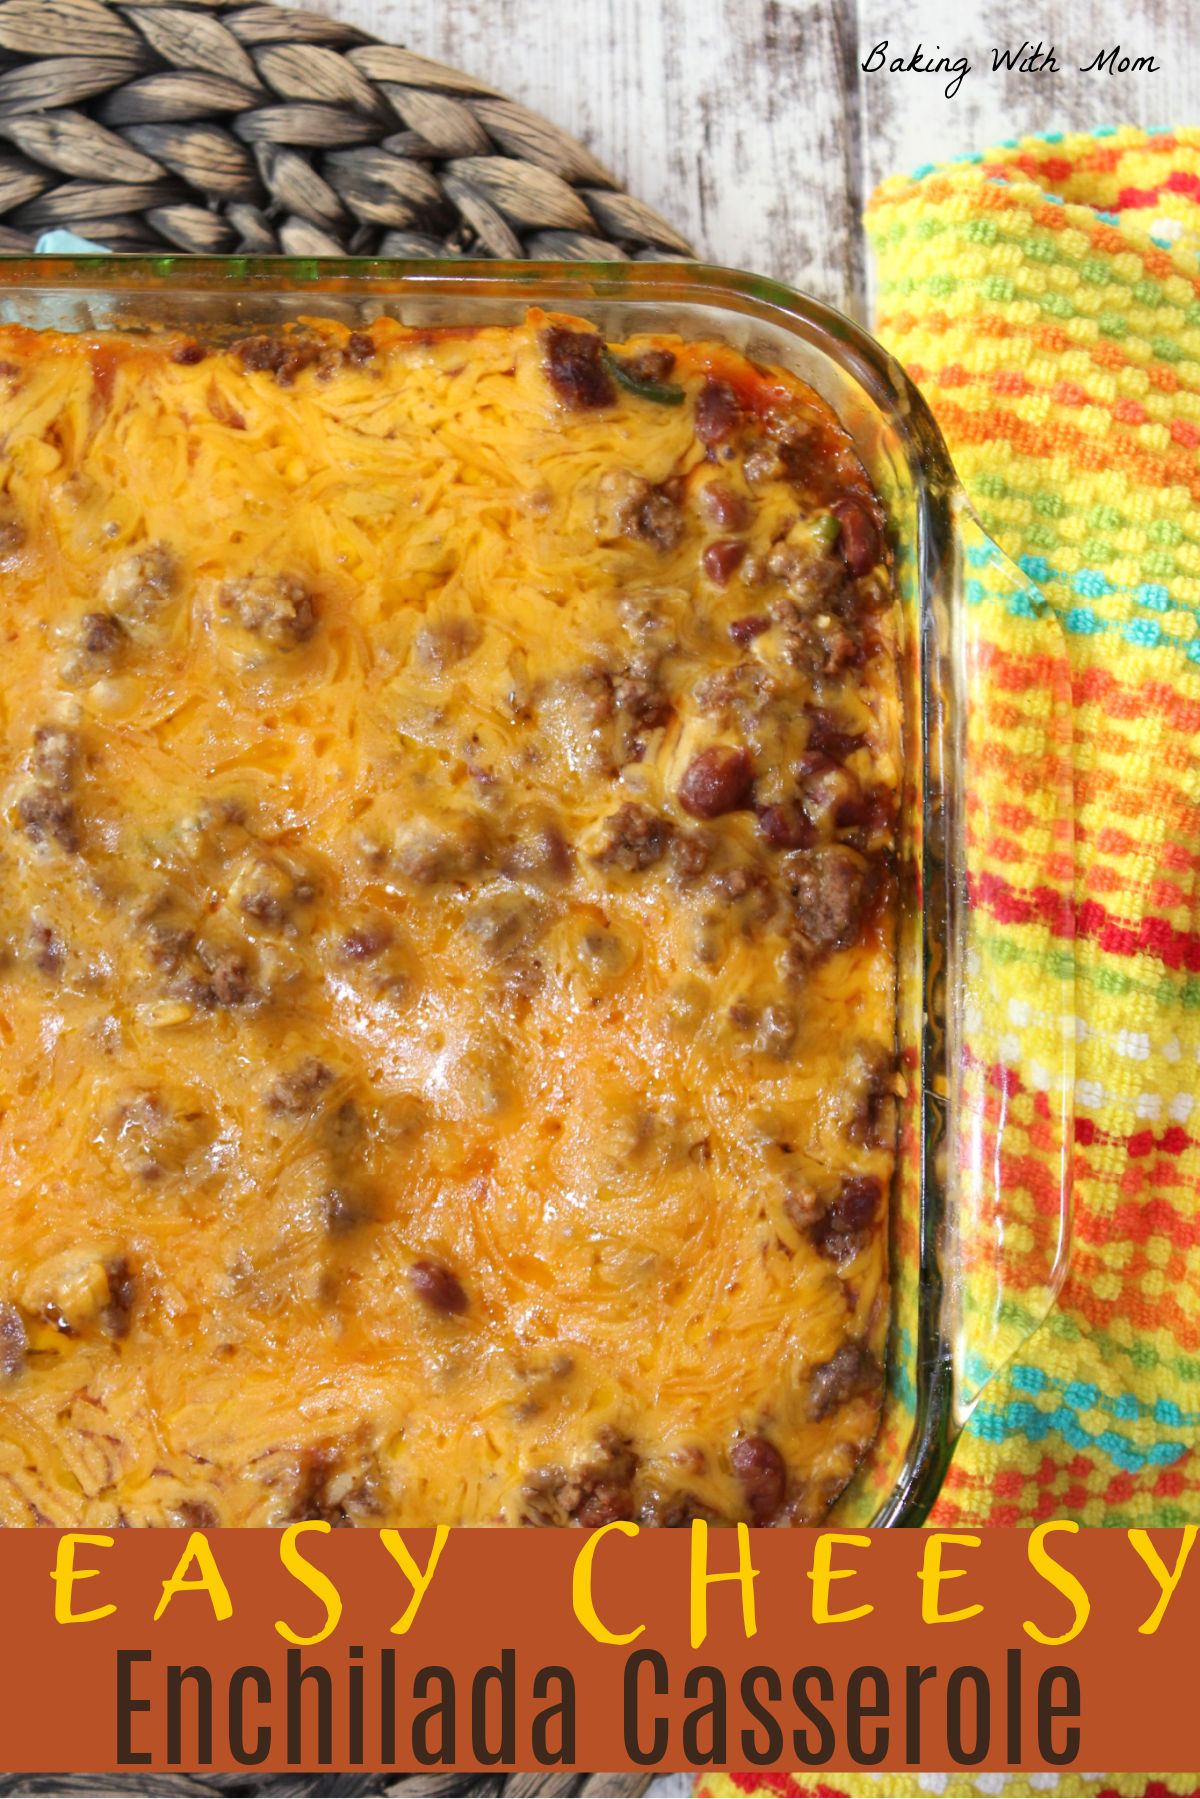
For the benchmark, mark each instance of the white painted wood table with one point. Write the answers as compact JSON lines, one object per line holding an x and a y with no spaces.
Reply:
{"x":750,"y":123}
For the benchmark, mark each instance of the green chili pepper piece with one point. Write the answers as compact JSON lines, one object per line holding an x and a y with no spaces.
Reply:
{"x":825,"y":528}
{"x":662,"y":393}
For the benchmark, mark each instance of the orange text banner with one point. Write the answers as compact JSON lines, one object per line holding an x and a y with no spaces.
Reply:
{"x":316,"y":1648}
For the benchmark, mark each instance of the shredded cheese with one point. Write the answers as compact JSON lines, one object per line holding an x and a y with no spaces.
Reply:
{"x":447,"y":991}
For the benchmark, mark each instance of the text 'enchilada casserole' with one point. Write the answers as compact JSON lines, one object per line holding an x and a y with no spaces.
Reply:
{"x":448,"y":785}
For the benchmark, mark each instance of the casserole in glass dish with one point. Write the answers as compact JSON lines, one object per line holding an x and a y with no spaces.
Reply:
{"x":980,"y":1197}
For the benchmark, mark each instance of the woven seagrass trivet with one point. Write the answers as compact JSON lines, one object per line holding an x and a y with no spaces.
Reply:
{"x":218,"y":127}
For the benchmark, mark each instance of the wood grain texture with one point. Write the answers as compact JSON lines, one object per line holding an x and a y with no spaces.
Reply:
{"x":908,"y":121}
{"x":737,"y":119}
{"x":749,"y":124}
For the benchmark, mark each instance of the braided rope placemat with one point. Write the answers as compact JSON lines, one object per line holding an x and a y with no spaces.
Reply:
{"x":218,"y":127}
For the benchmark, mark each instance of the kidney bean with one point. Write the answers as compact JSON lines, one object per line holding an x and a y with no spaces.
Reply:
{"x":786,"y":827}
{"x":434,"y":1283}
{"x":825,"y":734}
{"x":763,"y":1476}
{"x":726,"y":508}
{"x":717,"y":412}
{"x":858,"y":539}
{"x":745,"y":630}
{"x":716,"y":780}
{"x":812,"y":762}
{"x":722,"y":558}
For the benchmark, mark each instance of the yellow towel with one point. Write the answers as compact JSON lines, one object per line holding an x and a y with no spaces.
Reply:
{"x":1046,"y":298}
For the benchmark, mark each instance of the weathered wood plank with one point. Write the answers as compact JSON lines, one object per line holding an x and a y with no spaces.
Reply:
{"x":737,"y":119}
{"x":908,"y":120}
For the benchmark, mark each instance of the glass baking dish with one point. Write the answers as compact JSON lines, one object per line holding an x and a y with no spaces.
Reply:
{"x":980,"y":1214}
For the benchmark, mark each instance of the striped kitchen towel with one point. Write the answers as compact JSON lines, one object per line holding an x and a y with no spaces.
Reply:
{"x":1046,"y":298}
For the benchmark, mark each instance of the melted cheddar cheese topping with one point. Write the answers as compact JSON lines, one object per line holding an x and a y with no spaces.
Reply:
{"x":447,"y":790}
